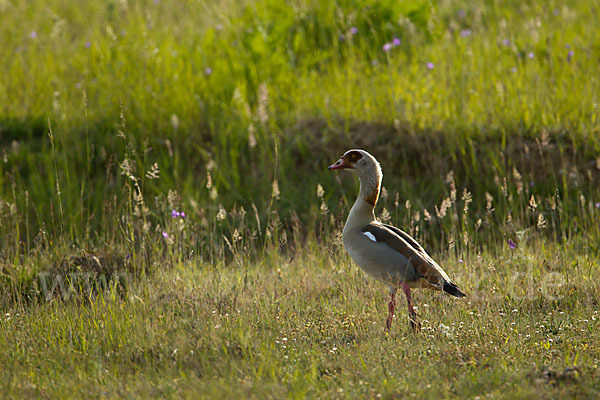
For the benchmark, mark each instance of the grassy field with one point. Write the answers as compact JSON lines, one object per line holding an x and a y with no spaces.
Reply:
{"x":116,"y":117}
{"x":314,"y":327}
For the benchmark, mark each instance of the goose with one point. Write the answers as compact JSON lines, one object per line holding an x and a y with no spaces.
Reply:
{"x":385,"y":252}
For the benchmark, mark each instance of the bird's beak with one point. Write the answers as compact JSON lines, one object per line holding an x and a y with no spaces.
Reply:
{"x":339,"y":164}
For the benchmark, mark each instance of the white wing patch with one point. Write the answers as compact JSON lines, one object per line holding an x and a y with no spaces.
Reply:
{"x":370,"y":236}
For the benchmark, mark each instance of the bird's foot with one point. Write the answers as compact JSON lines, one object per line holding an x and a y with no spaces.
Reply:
{"x":388,"y":322}
{"x":415,"y":325}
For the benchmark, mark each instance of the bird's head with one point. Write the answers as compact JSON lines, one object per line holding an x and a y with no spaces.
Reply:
{"x":368,"y":170}
{"x":358,"y":161}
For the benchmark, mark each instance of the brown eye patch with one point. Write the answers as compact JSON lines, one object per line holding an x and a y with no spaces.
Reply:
{"x":353,"y":156}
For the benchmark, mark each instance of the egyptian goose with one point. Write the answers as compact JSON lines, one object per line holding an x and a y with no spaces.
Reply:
{"x":385,"y":252}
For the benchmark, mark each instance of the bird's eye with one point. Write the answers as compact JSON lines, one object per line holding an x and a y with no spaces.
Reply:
{"x":354,"y":156}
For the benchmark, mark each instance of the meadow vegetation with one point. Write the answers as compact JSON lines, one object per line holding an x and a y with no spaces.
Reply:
{"x":168,"y":227}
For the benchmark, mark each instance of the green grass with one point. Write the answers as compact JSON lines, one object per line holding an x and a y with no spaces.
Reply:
{"x":314,"y":327}
{"x":114,"y":114}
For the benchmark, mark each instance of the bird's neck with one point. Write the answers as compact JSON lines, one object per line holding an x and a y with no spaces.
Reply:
{"x":362,"y":211}
{"x":370,"y":185}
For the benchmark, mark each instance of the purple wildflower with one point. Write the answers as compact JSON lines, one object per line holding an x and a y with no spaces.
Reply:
{"x":208,"y":71}
{"x":512,"y":244}
{"x":387,"y":47}
{"x":354,"y":30}
{"x":570,"y":55}
{"x":531,"y":183}
{"x":165,"y":235}
{"x":177,"y":214}
{"x":78,"y":85}
{"x":465,"y":33}
{"x":396,"y":42}
{"x":568,"y":46}
{"x":506,"y":42}
{"x":513,"y":69}
{"x":33,"y":34}
{"x":461,"y":13}
{"x":530,"y":55}
{"x":460,"y":260}
{"x":597,"y":204}
{"x":430,"y":65}
{"x":88,"y":44}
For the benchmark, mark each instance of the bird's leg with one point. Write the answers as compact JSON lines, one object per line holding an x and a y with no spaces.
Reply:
{"x":391,"y":307}
{"x":412,"y":314}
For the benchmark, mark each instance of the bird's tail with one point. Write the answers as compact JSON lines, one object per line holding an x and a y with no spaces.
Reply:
{"x":452,"y":289}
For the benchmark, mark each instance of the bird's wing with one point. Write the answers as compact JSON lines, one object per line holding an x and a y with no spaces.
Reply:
{"x":406,"y":237}
{"x":401,"y":242}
